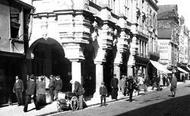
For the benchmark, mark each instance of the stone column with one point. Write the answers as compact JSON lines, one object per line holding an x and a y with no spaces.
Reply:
{"x":131,"y":61}
{"x":76,"y":71}
{"x":74,"y":32}
{"x":121,"y":48}
{"x":104,"y":39}
{"x":99,"y":75}
{"x":133,"y":44}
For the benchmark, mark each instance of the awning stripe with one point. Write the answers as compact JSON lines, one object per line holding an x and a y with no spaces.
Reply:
{"x":160,"y":67}
{"x":180,"y":69}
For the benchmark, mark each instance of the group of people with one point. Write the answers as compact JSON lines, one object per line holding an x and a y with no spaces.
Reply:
{"x":36,"y":90}
{"x":127,"y":85}
{"x":55,"y":86}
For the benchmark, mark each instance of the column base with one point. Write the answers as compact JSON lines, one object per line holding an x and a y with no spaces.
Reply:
{"x":130,"y":70}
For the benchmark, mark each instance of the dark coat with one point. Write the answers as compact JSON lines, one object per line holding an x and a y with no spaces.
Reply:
{"x":114,"y":83}
{"x":41,"y":88}
{"x":18,"y":85}
{"x":103,"y":90}
{"x":131,"y":84}
{"x":58,"y":84}
{"x":78,"y":89}
{"x":52,"y":83}
{"x":31,"y":87}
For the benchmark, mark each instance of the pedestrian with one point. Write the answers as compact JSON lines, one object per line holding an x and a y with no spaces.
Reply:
{"x":18,"y":89}
{"x":58,"y":86}
{"x":123,"y":85}
{"x":51,"y":87}
{"x":173,"y":85}
{"x":131,"y":86}
{"x":114,"y":86}
{"x":79,"y":92}
{"x":140,"y":82}
{"x":30,"y":93}
{"x":41,"y":92}
{"x":103,"y":93}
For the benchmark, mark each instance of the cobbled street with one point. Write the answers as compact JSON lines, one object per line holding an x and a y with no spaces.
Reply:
{"x":157,"y":103}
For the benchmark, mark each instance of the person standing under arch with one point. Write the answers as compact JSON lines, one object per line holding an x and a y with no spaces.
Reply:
{"x":114,"y":86}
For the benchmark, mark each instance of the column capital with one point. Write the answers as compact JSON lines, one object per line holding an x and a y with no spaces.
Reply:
{"x":73,"y":52}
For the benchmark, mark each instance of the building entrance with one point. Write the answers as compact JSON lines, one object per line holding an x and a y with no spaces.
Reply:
{"x":48,"y":58}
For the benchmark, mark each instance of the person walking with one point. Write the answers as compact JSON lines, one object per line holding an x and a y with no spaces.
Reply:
{"x":41,"y":92}
{"x":51,"y":87}
{"x":18,"y":89}
{"x":58,"y":86}
{"x":30,"y":93}
{"x":114,"y":86}
{"x":79,"y":92}
{"x":103,"y":93}
{"x":131,"y":86}
{"x":173,"y":85}
{"x":123,"y":85}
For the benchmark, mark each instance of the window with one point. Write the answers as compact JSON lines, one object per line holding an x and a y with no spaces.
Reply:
{"x":14,"y":18}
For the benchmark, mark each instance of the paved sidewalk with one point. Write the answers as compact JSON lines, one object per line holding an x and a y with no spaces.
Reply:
{"x":15,"y":110}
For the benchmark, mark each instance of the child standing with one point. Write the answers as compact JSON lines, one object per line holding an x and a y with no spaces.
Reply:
{"x":103,"y":93}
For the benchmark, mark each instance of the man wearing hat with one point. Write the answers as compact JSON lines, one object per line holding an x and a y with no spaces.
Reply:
{"x":51,"y":87}
{"x":18,"y":89}
{"x":58,"y":86}
{"x":114,"y":86}
{"x":30,"y":92}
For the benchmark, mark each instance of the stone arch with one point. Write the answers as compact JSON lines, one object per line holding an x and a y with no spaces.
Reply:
{"x":47,"y":57}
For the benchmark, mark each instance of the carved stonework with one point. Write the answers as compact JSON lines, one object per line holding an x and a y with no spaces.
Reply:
{"x":73,"y":52}
{"x":73,"y":28}
{"x":44,"y":27}
{"x":72,"y":4}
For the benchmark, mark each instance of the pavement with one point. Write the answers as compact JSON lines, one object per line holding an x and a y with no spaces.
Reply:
{"x":14,"y":110}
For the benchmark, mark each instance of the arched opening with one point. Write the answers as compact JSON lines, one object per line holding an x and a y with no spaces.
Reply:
{"x":109,"y":68}
{"x":88,"y":70}
{"x":48,"y":58}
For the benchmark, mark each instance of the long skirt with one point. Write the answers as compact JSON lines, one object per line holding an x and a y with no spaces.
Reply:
{"x":114,"y":93}
{"x":41,"y":99}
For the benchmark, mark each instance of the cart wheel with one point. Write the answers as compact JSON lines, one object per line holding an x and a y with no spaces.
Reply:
{"x":74,"y":103}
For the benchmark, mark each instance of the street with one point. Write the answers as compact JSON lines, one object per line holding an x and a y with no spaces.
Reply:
{"x":157,"y":103}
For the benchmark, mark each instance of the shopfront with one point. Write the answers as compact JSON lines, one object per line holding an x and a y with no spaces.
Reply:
{"x":11,"y":64}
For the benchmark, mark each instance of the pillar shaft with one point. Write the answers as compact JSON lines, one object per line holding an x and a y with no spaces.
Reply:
{"x":99,"y":76}
{"x":76,"y":72}
{"x":117,"y":71}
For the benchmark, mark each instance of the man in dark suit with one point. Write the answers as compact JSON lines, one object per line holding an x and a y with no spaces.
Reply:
{"x":131,"y":87}
{"x":51,"y":87}
{"x":58,"y":86}
{"x":18,"y":89}
{"x":30,"y":92}
{"x":114,"y":86}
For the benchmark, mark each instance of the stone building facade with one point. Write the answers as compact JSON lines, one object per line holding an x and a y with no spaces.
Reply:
{"x":168,"y":34}
{"x":91,"y":40}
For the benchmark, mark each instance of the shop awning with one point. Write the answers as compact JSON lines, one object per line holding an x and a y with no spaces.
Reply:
{"x":188,"y":68}
{"x":180,"y":69}
{"x":160,"y":67}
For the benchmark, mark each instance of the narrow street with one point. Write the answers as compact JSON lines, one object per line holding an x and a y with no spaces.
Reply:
{"x":157,"y":103}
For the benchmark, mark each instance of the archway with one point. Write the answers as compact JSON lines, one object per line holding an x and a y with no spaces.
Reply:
{"x":48,"y":58}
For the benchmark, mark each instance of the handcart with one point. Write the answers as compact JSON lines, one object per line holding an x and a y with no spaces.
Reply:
{"x":70,"y":102}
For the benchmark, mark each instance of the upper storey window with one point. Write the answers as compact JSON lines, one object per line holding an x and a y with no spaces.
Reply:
{"x":15,"y":21}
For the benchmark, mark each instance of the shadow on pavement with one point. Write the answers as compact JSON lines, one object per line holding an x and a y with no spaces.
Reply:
{"x":177,"y":106}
